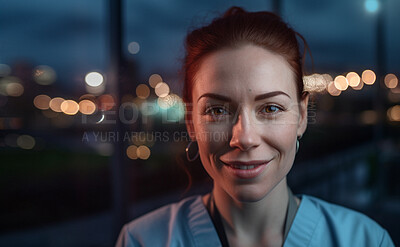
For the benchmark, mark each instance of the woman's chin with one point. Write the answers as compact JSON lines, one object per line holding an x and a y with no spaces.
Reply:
{"x":247,"y":196}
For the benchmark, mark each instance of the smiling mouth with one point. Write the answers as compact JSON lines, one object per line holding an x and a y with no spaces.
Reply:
{"x":246,"y":170}
{"x":245,"y":165}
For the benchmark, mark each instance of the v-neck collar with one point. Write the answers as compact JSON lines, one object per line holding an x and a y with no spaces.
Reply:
{"x":205,"y":234}
{"x":304,"y":224}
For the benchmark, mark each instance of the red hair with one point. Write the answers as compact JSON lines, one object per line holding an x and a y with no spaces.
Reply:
{"x":238,"y":27}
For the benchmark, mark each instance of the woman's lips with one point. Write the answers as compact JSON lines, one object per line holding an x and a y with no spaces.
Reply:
{"x":246,"y":170}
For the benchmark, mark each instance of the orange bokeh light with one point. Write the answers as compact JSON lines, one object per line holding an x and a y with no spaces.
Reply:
{"x":42,"y":102}
{"x":391,"y":81}
{"x":142,"y":91}
{"x":69,"y":107}
{"x":154,"y":79}
{"x":106,"y":102}
{"x":87,"y":107}
{"x":55,"y":104}
{"x":368,"y":77}
{"x":341,"y":83}
{"x":353,"y":78}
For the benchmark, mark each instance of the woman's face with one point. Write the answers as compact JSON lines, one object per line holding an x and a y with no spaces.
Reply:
{"x":246,"y":118}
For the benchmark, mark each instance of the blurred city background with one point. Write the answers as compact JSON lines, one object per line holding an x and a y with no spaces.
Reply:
{"x":91,"y":116}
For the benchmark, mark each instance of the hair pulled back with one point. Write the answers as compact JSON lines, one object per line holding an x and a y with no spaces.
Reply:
{"x":238,"y":27}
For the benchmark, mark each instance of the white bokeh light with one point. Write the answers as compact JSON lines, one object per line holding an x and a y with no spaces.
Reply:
{"x":94,"y":79}
{"x":134,"y":47}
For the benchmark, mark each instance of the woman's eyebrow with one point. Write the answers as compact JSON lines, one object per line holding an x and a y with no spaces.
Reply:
{"x":270,"y":94}
{"x":258,"y":97}
{"x":215,"y":96}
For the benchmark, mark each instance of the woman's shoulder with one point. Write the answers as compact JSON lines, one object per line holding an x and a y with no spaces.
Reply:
{"x":337,"y":224}
{"x":335,"y":212}
{"x":160,"y":225}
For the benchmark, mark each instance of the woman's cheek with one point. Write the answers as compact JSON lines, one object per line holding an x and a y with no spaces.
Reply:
{"x":282,"y":136}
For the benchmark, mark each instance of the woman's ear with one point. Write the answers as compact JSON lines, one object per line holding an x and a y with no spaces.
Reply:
{"x":303,"y":107}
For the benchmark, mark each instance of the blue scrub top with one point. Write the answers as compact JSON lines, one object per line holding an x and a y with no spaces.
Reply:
{"x":317,"y":223}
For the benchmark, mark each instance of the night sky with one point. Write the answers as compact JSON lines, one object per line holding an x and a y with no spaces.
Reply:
{"x":71,"y":36}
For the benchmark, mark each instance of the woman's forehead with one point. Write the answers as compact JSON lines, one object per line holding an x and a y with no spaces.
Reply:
{"x":248,"y":70}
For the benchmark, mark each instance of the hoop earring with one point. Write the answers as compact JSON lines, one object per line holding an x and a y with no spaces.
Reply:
{"x":187,"y":152}
{"x":298,"y":143}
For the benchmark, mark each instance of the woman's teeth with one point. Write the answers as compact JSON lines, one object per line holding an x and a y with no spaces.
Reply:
{"x":243,"y":167}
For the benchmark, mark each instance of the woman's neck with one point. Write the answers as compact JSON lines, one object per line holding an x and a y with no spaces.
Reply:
{"x":254,"y":222}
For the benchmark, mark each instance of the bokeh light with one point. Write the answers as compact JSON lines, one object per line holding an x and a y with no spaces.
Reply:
{"x":94,"y":79}
{"x":332,"y":90}
{"x":87,"y":107}
{"x":371,"y":6}
{"x":8,"y":84}
{"x":3,"y":85}
{"x":341,"y":83}
{"x":164,"y":102}
{"x":14,"y":89}
{"x":55,"y":104}
{"x":44,"y":75}
{"x":131,"y":152}
{"x":359,"y":86}
{"x":143,"y":152}
{"x":26,"y":142}
{"x":69,"y":107}
{"x":368,"y":77}
{"x":106,"y":102}
{"x":154,"y":79}
{"x":391,"y":81}
{"x":168,"y":101}
{"x":328,"y":78}
{"x":42,"y":102}
{"x":353,"y":79}
{"x":162,"y":89}
{"x":142,"y":91}
{"x":393,"y":113}
{"x":173,"y":104}
{"x":316,"y":82}
{"x":133,"y":47}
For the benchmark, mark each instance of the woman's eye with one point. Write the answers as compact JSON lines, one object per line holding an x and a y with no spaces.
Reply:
{"x":271,"y":109}
{"x":216,"y":111}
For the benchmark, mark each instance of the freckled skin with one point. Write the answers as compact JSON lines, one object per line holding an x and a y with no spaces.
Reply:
{"x":254,"y":130}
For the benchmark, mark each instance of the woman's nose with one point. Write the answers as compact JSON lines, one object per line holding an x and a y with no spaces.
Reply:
{"x":244,"y":133}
